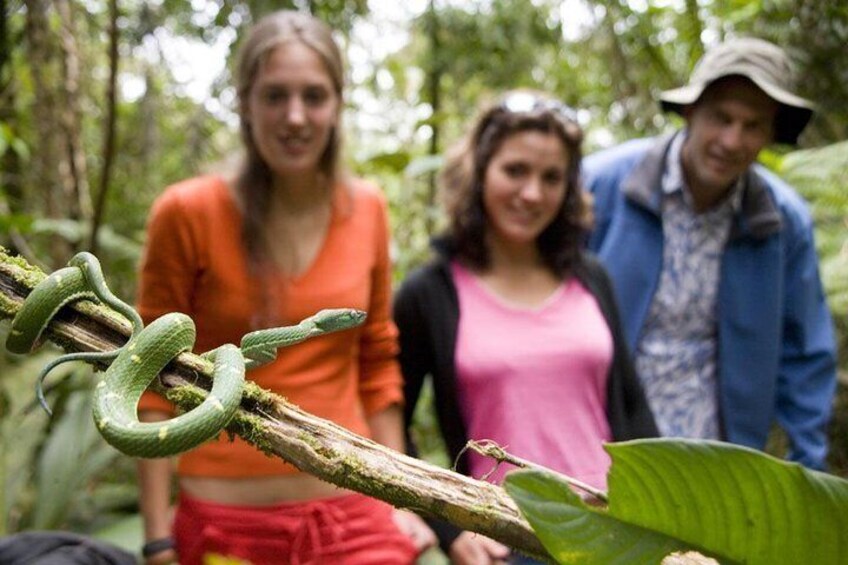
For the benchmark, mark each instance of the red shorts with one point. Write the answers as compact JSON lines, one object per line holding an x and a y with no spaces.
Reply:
{"x":347,"y":530}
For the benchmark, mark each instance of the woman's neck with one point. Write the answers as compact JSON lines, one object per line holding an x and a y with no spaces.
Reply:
{"x":297,"y":222}
{"x":506,"y":257}
{"x":302,"y":193}
{"x":519,"y":274}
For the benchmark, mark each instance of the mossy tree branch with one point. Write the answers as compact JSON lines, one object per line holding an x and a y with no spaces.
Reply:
{"x":281,"y":429}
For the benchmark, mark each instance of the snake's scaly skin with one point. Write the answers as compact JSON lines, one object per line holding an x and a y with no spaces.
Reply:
{"x":134,"y":365}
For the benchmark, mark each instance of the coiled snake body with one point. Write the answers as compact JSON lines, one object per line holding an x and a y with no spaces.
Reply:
{"x":135,"y":364}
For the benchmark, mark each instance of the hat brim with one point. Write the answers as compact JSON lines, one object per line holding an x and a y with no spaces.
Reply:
{"x":793,"y":115}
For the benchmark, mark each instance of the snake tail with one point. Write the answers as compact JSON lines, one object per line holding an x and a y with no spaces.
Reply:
{"x":82,"y":279}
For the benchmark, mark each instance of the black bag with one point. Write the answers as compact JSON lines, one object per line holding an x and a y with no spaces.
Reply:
{"x":60,"y":548}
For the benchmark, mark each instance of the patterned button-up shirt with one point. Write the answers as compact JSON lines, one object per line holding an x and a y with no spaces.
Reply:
{"x":676,"y":352}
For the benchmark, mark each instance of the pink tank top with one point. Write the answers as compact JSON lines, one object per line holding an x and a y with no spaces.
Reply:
{"x":534,"y":380}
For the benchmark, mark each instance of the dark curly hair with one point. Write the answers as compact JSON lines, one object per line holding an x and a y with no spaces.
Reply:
{"x":462,"y":179}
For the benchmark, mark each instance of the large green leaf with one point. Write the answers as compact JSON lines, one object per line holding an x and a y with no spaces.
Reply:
{"x":731,"y":500}
{"x":574,"y":533}
{"x":75,"y":231}
{"x":718,"y":498}
{"x":73,"y":455}
{"x":21,"y":433}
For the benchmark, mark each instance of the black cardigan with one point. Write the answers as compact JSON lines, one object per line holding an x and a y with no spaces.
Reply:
{"x":426,"y":310}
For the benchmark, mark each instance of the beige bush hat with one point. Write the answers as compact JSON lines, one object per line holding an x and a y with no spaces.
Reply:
{"x":765,"y":64}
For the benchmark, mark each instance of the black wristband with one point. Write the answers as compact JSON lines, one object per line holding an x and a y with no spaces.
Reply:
{"x":153,"y":547}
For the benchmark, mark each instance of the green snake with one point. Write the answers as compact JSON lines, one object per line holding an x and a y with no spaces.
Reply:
{"x":135,"y":364}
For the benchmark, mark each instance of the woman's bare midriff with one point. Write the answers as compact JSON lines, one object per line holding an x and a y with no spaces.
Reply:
{"x":259,"y":491}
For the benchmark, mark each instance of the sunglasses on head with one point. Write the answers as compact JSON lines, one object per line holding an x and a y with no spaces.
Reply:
{"x":528,"y":103}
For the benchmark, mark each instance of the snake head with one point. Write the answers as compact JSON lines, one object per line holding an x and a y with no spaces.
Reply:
{"x":336,"y":319}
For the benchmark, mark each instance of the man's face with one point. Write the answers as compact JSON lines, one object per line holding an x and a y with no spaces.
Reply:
{"x":728,"y":126}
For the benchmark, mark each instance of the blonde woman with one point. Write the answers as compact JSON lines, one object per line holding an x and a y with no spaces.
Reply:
{"x":287,"y":236}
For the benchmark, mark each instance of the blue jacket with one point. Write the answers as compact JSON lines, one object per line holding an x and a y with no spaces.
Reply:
{"x":777,"y":353}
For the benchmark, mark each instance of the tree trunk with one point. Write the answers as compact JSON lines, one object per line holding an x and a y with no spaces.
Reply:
{"x":108,"y":128}
{"x":625,"y":85}
{"x":10,"y":161}
{"x":150,"y":137}
{"x":281,"y":429}
{"x":47,"y":157}
{"x":79,"y":193}
{"x":434,"y":88}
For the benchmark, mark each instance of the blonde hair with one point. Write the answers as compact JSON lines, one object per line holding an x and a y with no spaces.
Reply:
{"x":254,"y":180}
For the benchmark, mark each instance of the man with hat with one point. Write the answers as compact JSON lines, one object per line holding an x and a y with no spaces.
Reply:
{"x":713,"y":260}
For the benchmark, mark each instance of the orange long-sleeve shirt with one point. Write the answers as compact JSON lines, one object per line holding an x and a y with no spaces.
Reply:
{"x":194,"y":262}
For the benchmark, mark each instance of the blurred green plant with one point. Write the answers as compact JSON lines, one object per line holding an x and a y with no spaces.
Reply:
{"x":9,"y":141}
{"x":56,"y":473}
{"x":821,"y":176}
